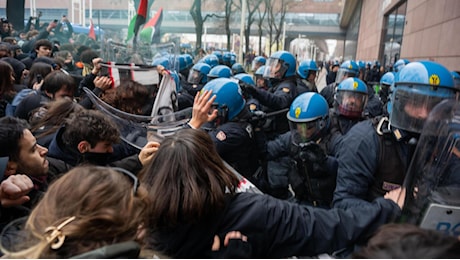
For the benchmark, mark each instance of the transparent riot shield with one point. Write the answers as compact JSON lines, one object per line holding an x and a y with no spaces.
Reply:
{"x":433,"y":177}
{"x":167,"y":50}
{"x":137,"y":130}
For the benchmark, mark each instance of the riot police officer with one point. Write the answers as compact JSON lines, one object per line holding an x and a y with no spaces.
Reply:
{"x":230,"y":127}
{"x":347,"y":69}
{"x":306,"y":73}
{"x":197,"y":77}
{"x":280,"y":69}
{"x":375,"y":154}
{"x":312,"y":172}
{"x":258,"y":62}
{"x":350,"y":100}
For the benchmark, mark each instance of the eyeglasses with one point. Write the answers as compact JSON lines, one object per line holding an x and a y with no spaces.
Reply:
{"x":136,"y":183}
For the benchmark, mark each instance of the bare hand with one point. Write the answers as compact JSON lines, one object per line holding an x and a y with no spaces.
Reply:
{"x":14,"y":190}
{"x":38,"y":85}
{"x":147,"y":152}
{"x":230,"y":235}
{"x":397,"y":195}
{"x":201,"y":107}
{"x":96,"y":65}
{"x":103,"y":82}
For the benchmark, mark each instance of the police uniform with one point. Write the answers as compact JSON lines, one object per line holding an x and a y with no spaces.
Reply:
{"x":370,"y":165}
{"x":277,"y":98}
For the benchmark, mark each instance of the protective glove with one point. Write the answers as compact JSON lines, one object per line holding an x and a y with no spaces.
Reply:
{"x":313,"y":153}
{"x":247,"y":89}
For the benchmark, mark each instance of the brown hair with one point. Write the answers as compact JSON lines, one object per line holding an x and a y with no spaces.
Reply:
{"x":92,"y":126}
{"x":6,"y":84}
{"x":91,"y":207}
{"x":186,"y":179}
{"x":409,"y":241}
{"x":131,"y":96}
{"x":56,"y":113}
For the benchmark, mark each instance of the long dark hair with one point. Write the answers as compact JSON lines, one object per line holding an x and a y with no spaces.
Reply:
{"x":186,"y":179}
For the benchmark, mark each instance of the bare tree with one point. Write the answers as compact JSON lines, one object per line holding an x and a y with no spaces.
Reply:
{"x":261,"y":14}
{"x":228,"y":11}
{"x":199,"y":20}
{"x":276,"y":18}
{"x":252,"y":6}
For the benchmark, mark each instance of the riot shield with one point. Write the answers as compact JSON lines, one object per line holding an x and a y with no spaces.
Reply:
{"x":137,"y":130}
{"x":433,"y":177}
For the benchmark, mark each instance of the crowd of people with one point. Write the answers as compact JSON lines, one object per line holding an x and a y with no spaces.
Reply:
{"x":330,"y":164}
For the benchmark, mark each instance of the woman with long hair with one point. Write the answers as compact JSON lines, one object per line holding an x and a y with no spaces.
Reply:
{"x":194,"y":197}
{"x":86,"y":209}
{"x":51,"y":117}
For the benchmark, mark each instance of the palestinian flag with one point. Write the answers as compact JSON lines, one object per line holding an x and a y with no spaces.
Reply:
{"x":142,"y":14}
{"x":151,"y":32}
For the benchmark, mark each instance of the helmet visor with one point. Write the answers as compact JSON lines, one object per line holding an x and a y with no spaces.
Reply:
{"x":255,"y":65}
{"x":410,"y":108}
{"x":343,"y":74}
{"x":194,"y":77}
{"x":274,"y":69}
{"x":351,"y":104}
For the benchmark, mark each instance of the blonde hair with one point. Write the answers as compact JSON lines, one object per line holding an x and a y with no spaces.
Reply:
{"x":87,"y":208}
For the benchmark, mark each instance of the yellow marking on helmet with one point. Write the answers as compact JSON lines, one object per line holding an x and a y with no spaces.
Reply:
{"x":355,"y":84}
{"x":297,"y":112}
{"x":434,"y":79}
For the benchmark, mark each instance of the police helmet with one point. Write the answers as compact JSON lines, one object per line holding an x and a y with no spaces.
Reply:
{"x":456,"y":77}
{"x":281,"y":64}
{"x":180,"y":63}
{"x":244,"y":77}
{"x":260,"y":71}
{"x":229,"y":99}
{"x":219,"y":56}
{"x":189,"y":60}
{"x":387,"y":78}
{"x":419,"y":87}
{"x":219,"y":71}
{"x":347,"y":69}
{"x":351,"y":97}
{"x":308,"y":117}
{"x":163,"y":61}
{"x":399,"y":64}
{"x":237,"y":68}
{"x":232,"y":58}
{"x":305,"y":67}
{"x":211,"y":60}
{"x":198,"y":74}
{"x":257,"y":62}
{"x":361,"y":65}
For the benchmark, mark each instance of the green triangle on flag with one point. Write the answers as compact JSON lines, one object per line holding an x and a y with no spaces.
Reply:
{"x":131,"y":28}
